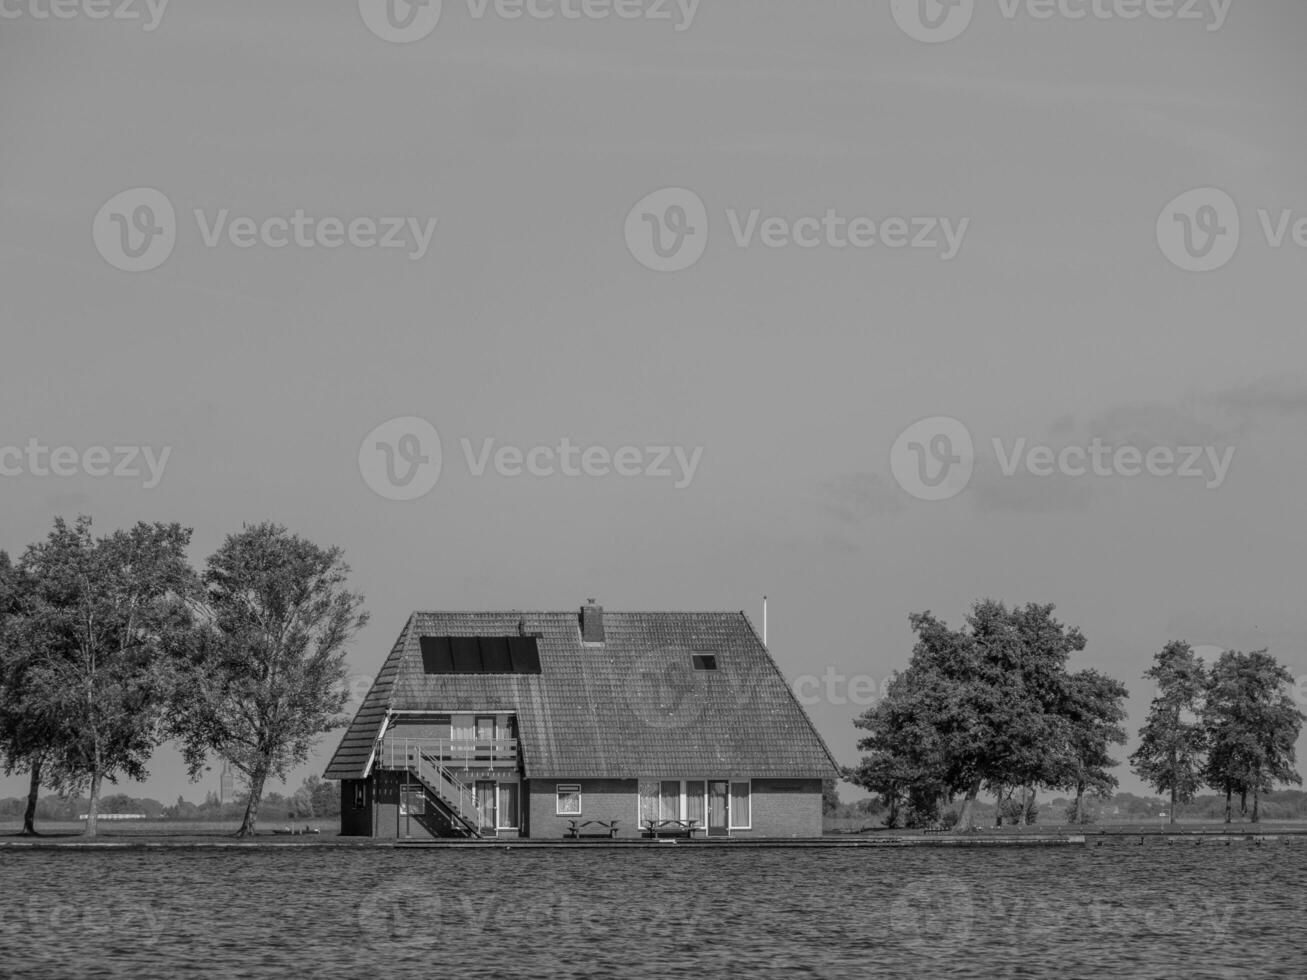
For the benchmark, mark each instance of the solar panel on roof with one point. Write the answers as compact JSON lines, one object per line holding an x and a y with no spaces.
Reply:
{"x":467,"y":654}
{"x":525,"y":653}
{"x":436,"y":655}
{"x":480,"y":654}
{"x":495,"y":658}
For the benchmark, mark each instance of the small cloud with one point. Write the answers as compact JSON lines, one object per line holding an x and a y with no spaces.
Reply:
{"x":1282,"y":396}
{"x":1063,"y":427}
{"x":1025,"y":493}
{"x":853,"y":498}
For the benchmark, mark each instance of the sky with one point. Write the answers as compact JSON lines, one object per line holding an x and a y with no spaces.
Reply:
{"x":872,"y":308}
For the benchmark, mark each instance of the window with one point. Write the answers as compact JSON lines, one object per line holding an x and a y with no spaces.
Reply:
{"x":360,"y":795}
{"x":741,"y":811}
{"x":412,"y":800}
{"x":507,"y":806}
{"x":569,"y":800}
{"x":704,"y":661}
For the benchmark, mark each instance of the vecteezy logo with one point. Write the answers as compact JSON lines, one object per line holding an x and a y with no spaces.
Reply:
{"x":402,"y":916}
{"x":1199,"y":230}
{"x":401,"y":459}
{"x":933,"y":913}
{"x":136,"y":231}
{"x":933,"y":21}
{"x":933,"y":459}
{"x":401,"y":21}
{"x":667,"y":231}
{"x":661,"y":689}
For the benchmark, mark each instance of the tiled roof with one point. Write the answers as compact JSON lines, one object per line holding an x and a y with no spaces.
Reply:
{"x":632,"y":706}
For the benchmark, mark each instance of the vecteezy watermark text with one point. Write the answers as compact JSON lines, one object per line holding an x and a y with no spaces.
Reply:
{"x":935,"y":458}
{"x":937,"y":21}
{"x":402,"y":459}
{"x":120,"y":462}
{"x":150,"y":11}
{"x":406,"y":21}
{"x":667,"y":231}
{"x":136,"y":231}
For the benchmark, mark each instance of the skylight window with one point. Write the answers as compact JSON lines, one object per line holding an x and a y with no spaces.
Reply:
{"x":704,"y":661}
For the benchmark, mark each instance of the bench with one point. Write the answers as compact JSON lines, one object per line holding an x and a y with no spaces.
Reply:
{"x":574,"y":832}
{"x":654,"y":829}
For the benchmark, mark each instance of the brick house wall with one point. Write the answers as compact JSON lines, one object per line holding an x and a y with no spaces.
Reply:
{"x":780,"y":807}
{"x":601,"y":799}
{"x":785,"y":808}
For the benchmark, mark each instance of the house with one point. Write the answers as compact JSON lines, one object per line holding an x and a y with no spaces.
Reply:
{"x":511,"y":724}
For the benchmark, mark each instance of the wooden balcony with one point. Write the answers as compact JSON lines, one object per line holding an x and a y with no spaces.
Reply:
{"x":397,"y":752}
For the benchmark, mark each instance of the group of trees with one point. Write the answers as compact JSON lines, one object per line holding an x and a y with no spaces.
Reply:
{"x":994,"y":706}
{"x":990,"y":706}
{"x":1231,"y":727}
{"x":110,"y":645}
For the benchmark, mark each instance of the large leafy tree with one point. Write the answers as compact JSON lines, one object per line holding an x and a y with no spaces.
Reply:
{"x":904,"y":762}
{"x":104,"y":618}
{"x":267,"y":675}
{"x":1173,"y":740}
{"x":1094,"y":706}
{"x":22,"y":741}
{"x":1252,"y":724}
{"x":34,"y":728}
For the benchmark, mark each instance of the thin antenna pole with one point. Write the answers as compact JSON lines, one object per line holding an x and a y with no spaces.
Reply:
{"x":764,"y":620}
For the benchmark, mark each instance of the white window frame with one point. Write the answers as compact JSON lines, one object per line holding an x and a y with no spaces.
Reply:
{"x":730,"y":810}
{"x":559,"y":790}
{"x":499,"y":824}
{"x":406,"y":791}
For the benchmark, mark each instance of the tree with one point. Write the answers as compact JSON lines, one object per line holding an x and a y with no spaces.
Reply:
{"x":830,"y":796}
{"x":267,"y":675}
{"x":1251,"y":725}
{"x":26,"y":730}
{"x":1173,"y":740}
{"x":979,"y":706}
{"x":1094,"y":705}
{"x":103,"y":616}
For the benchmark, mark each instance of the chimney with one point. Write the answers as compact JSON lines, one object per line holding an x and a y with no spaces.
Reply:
{"x":592,"y":623}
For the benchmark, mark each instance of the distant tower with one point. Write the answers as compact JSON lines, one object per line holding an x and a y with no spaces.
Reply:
{"x":225,"y":783}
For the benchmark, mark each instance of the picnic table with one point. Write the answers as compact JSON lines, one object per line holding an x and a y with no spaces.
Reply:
{"x":574,"y":832}
{"x":671,"y":828}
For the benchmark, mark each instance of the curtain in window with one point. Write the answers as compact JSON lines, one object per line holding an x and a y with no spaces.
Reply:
{"x":740,"y":815}
{"x":669,"y":800}
{"x":648,"y":800}
{"x":508,"y":806}
{"x":694,"y":808}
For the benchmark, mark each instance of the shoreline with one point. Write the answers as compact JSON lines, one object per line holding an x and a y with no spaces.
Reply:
{"x":266,"y":841}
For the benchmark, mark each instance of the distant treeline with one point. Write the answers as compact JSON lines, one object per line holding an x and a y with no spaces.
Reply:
{"x":1117,"y":808}
{"x":315,"y":798}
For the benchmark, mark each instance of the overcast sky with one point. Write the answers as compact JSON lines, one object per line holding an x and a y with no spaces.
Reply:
{"x":1033,"y":160}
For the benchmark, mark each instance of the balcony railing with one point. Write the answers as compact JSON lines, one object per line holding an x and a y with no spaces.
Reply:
{"x":450,"y":753}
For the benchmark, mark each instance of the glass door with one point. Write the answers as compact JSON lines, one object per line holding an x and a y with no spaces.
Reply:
{"x":485,"y":806}
{"x":718,"y":805}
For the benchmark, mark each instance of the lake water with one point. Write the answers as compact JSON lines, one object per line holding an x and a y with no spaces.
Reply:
{"x":1120,"y":911}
